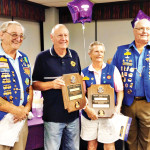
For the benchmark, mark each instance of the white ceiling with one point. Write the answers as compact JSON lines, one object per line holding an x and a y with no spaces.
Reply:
{"x":61,"y":3}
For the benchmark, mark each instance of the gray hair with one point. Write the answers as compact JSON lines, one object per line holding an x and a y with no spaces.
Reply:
{"x":140,"y":20}
{"x":95,"y":43}
{"x":5,"y":25}
{"x":56,"y":27}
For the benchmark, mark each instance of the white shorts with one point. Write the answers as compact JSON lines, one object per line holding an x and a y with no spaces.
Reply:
{"x":104,"y":130}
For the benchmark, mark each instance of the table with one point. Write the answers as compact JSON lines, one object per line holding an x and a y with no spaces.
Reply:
{"x":36,"y":136}
{"x":36,"y":133}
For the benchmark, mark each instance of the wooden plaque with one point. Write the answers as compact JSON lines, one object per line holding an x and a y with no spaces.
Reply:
{"x":101,"y":98}
{"x":73,"y":92}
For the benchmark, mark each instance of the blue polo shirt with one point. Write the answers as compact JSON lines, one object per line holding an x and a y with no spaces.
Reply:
{"x":49,"y":66}
{"x":139,"y":59}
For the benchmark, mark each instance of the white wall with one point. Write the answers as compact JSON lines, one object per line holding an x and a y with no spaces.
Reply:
{"x":112,"y":33}
{"x":77,"y":39}
{"x":51,"y":19}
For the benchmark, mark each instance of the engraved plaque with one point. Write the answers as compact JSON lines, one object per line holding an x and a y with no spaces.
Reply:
{"x":73,"y":92}
{"x":101,"y":98}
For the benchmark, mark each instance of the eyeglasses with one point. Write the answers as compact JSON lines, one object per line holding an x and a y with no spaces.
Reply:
{"x":15,"y":36}
{"x":143,"y":29}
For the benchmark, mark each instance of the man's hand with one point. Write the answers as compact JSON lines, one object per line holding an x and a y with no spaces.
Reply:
{"x":21,"y":113}
{"x":58,"y":83}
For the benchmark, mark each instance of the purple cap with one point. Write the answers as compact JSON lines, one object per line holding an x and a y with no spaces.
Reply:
{"x":141,"y":15}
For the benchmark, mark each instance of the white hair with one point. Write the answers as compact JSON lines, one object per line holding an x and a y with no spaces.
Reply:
{"x":56,"y":27}
{"x":140,"y":20}
{"x":95,"y":43}
{"x":5,"y":25}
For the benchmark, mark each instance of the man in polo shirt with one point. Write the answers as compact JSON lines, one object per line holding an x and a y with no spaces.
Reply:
{"x":50,"y":65}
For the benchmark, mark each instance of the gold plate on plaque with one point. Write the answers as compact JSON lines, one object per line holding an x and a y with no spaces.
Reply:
{"x":73,"y":92}
{"x":101,"y":98}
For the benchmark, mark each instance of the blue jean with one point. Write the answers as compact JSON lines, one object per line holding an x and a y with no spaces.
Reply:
{"x":68,"y":133}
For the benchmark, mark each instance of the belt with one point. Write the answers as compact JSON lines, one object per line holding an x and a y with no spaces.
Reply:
{"x":138,"y":98}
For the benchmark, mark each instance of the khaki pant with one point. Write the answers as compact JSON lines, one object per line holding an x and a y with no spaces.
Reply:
{"x":139,"y":134}
{"x":21,"y":144}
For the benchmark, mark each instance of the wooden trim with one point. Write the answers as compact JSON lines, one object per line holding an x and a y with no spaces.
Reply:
{"x":22,"y":9}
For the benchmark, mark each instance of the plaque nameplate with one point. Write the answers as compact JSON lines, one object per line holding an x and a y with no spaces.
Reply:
{"x":73,"y":92}
{"x":101,"y":98}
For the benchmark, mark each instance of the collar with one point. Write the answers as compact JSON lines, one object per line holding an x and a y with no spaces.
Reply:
{"x":91,"y":68}
{"x":53,"y":53}
{"x":133,"y":45}
{"x":2,"y":52}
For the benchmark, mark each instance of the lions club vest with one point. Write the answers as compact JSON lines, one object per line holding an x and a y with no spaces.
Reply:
{"x":127,"y":68}
{"x":9,"y":83}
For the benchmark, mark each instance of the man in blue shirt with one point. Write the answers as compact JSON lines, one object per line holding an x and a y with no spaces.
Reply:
{"x":16,"y":92}
{"x":49,"y":67}
{"x":133,"y":62}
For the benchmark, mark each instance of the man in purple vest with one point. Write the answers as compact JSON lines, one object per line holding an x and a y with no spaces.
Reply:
{"x":16,"y":92}
{"x":133,"y":62}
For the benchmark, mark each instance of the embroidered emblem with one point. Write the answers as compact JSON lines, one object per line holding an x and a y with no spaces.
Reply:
{"x":126,"y":64}
{"x":25,"y":59}
{"x":127,"y":53}
{"x":131,"y":69}
{"x":147,"y":59}
{"x":126,"y":85}
{"x":4,"y":65}
{"x":5,"y":75}
{"x":129,"y":80}
{"x":131,"y":85}
{"x":27,"y":81}
{"x":26,"y":70}
{"x":73,"y":64}
{"x":130,"y":61}
{"x":85,"y":78}
{"x":130,"y":75}
{"x":109,"y":77}
{"x":3,"y":59}
{"x":129,"y":91}
{"x":11,"y":97}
